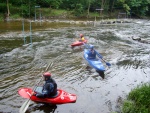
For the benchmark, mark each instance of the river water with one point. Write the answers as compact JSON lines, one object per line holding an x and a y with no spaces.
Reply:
{"x":21,"y":64}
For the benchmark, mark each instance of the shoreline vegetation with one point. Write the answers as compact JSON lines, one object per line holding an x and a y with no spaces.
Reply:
{"x":60,"y":14}
{"x":138,"y":100}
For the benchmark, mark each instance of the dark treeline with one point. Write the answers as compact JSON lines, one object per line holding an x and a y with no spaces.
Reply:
{"x":138,"y":8}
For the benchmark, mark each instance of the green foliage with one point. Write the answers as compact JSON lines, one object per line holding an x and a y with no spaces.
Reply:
{"x":124,"y":5}
{"x":27,"y":7}
{"x":128,"y":107}
{"x":78,"y":10}
{"x":141,"y":95}
{"x":3,"y":7}
{"x":127,"y":8}
{"x":138,"y":100}
{"x":49,"y":3}
{"x":16,"y":16}
{"x":139,"y":7}
{"x":1,"y":17}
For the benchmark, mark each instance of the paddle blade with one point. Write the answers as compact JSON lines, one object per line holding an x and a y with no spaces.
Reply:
{"x":24,"y":92}
{"x":25,"y":106}
{"x":108,"y":64}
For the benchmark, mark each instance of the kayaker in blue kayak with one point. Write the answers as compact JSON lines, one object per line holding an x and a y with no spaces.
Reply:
{"x":92,"y":53}
{"x":49,"y":89}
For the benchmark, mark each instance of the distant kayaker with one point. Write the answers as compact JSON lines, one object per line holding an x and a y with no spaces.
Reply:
{"x":81,"y":38}
{"x":49,"y":88}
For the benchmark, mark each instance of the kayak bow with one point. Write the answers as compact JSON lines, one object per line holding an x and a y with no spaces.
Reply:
{"x":78,"y":43}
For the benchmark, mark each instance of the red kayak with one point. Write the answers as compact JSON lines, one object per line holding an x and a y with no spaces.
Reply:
{"x":78,"y":43}
{"x":62,"y":97}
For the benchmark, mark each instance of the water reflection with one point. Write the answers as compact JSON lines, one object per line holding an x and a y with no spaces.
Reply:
{"x":42,"y":108}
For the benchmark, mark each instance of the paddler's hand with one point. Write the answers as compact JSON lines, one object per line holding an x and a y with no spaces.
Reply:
{"x":32,"y":93}
{"x":76,"y":39}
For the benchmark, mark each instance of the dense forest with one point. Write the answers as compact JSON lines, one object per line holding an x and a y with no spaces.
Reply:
{"x":137,"y":8}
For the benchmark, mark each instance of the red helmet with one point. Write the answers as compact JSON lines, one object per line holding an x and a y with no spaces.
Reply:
{"x":81,"y":35}
{"x":47,"y":74}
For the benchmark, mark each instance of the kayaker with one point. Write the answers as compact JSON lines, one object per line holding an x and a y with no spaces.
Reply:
{"x":49,"y":88}
{"x":91,"y":52}
{"x":81,"y":38}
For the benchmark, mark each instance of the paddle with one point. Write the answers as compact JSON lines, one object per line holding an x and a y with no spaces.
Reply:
{"x":98,"y":54}
{"x":26,"y":104}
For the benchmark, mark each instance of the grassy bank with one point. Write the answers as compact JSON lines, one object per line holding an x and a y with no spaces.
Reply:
{"x":48,"y":13}
{"x":138,"y":100}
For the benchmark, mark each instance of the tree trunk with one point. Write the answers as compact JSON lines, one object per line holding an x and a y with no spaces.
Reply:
{"x":88,"y":11}
{"x":8,"y":12}
{"x":101,"y":11}
{"x":111,"y":5}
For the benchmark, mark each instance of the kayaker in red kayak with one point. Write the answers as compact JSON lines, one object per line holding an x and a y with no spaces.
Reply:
{"x":49,"y":88}
{"x":81,"y":38}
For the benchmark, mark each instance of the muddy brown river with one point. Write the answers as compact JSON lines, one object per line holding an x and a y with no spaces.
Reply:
{"x":22,"y":63}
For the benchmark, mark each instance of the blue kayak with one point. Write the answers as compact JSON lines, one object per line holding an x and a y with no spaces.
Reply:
{"x":94,"y":63}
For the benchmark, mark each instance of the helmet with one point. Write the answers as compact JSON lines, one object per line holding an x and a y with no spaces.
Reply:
{"x":47,"y":74}
{"x":81,"y":35}
{"x":91,"y":47}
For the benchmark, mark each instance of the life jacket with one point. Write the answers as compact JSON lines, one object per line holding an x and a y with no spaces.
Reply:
{"x":91,"y":54}
{"x":50,"y":88}
{"x":82,"y":38}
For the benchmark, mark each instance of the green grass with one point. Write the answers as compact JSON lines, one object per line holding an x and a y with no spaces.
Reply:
{"x":15,"y":16}
{"x":49,"y":12}
{"x":53,"y":12}
{"x":16,"y":12}
{"x":1,"y":16}
{"x":59,"y":12}
{"x":138,"y":100}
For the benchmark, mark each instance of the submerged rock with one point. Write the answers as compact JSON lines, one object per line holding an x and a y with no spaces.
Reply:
{"x":140,"y":40}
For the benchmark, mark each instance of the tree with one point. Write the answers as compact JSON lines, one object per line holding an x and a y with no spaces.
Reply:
{"x":87,"y":5}
{"x":8,"y":11}
{"x":102,"y":4}
{"x":88,"y":10}
{"x":49,"y":3}
{"x":138,"y":7}
{"x":111,"y":5}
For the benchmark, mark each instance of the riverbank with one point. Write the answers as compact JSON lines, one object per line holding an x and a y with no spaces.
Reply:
{"x":96,"y":21}
{"x":138,"y":100}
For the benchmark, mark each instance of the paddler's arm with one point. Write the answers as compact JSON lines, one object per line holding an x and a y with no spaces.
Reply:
{"x":76,"y":39}
{"x":86,"y":45}
{"x":99,"y":55}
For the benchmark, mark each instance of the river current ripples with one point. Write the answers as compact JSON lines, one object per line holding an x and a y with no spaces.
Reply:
{"x":21,"y":65}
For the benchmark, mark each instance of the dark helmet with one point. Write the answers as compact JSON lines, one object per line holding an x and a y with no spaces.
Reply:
{"x":81,"y":35}
{"x":47,"y":75}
